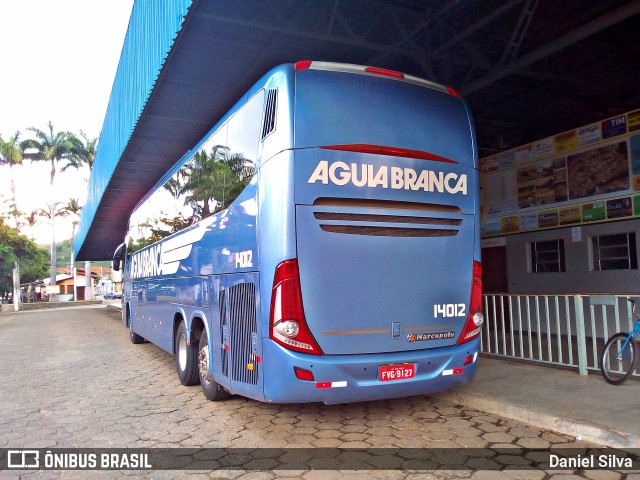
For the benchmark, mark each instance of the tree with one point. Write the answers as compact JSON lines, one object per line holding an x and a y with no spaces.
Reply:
{"x":11,"y":154}
{"x":72,"y":208}
{"x":51,"y":147}
{"x":218,"y":178}
{"x":16,"y":247}
{"x":83,"y":151}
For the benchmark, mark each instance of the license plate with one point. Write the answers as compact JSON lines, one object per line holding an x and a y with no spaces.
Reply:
{"x":388,"y":373}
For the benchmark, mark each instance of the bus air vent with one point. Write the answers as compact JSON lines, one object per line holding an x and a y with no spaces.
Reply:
{"x":242,"y":321}
{"x":269,"y":124}
{"x":224,"y":334}
{"x":387,"y":218}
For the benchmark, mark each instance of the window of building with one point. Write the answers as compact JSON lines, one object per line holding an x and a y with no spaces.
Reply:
{"x":547,"y":256}
{"x":615,"y":252}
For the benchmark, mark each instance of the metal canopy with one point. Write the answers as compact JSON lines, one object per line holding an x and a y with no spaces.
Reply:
{"x":529,"y":69}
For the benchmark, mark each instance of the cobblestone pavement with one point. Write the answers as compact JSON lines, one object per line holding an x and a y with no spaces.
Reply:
{"x":71,"y":378}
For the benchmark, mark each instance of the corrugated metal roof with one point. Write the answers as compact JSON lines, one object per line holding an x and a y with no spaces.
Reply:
{"x":529,"y":69}
{"x":153,"y":27}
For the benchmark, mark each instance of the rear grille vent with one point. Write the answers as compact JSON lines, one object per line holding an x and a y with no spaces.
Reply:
{"x":242,"y":319}
{"x":400,"y":219}
{"x":224,"y":334}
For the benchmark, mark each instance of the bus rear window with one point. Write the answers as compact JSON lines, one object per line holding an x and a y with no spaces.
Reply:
{"x":336,"y":108}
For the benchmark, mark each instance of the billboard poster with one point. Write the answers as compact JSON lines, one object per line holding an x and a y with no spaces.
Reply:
{"x":634,"y":143}
{"x":524,"y":154}
{"x":598,"y":171}
{"x":529,"y":221}
{"x":510,"y":224}
{"x":500,"y":193}
{"x":543,"y":148}
{"x":548,"y":219}
{"x":493,"y":226}
{"x":633,"y":121}
{"x":594,"y":211}
{"x":542,"y":183}
{"x":620,"y":207}
{"x":505,"y":159}
{"x":614,"y":127}
{"x":585,"y":175}
{"x":566,"y":141}
{"x":570,"y":215}
{"x":589,"y":134}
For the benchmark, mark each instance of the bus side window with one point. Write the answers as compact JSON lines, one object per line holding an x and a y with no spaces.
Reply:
{"x":244,"y":131}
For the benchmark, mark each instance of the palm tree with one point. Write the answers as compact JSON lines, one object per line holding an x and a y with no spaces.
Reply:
{"x":10,"y":154}
{"x":51,"y":147}
{"x":73,"y":208}
{"x":218,"y":177}
{"x":83,"y":151}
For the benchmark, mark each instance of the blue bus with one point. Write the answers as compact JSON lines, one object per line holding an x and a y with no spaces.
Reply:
{"x":320,"y":244}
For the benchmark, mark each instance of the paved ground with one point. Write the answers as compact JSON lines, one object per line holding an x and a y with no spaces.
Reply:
{"x":71,"y":378}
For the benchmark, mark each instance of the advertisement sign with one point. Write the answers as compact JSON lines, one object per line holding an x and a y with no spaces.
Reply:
{"x":594,"y":211}
{"x":584,"y":175}
{"x":614,"y":127}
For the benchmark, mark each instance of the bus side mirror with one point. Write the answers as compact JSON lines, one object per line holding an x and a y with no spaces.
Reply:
{"x":118,"y":258}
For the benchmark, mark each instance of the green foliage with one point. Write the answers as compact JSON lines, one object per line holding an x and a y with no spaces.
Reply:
{"x":33,"y":260}
{"x":218,"y":177}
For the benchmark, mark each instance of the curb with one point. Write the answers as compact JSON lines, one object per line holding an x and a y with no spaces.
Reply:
{"x":577,"y":428}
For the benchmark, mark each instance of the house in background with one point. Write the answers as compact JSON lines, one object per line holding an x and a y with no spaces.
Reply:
{"x":65,"y":283}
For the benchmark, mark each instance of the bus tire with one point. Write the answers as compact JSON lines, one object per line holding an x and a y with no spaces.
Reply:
{"x":186,"y":357}
{"x":135,"y":338}
{"x":211,"y":389}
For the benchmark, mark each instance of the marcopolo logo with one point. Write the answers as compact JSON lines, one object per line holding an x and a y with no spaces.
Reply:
{"x":383,"y":176}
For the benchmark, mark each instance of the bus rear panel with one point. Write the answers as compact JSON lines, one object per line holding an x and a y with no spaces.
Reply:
{"x":386,"y":199}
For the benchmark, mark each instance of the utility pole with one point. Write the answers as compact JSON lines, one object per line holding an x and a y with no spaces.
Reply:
{"x":16,"y":287}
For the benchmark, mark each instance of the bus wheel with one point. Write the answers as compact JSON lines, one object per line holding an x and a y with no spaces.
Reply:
{"x":211,"y":389}
{"x":135,"y":338}
{"x":186,"y":357}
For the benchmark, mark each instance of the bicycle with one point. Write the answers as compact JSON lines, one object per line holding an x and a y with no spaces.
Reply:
{"x":618,"y":358}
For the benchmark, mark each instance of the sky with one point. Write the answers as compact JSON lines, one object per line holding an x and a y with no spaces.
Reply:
{"x":59,"y":60}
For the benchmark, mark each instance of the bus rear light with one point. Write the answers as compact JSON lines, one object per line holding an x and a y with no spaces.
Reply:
{"x":303,"y":65}
{"x":468,"y":360}
{"x":302,"y":374}
{"x":453,"y":92}
{"x":384,"y":71}
{"x":475,"y":319}
{"x":390,"y":151}
{"x":287,"y":325}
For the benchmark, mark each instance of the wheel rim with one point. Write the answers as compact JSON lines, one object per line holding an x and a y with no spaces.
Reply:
{"x":203,"y":363}
{"x":182,"y":352}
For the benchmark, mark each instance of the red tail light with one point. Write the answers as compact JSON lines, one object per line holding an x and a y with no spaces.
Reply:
{"x":287,"y":325}
{"x":384,"y":71}
{"x":475,"y":319}
{"x":391,"y":151}
{"x":453,"y":92}
{"x":303,"y":64}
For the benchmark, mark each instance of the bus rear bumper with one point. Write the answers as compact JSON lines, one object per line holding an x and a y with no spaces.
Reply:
{"x":356,"y":378}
